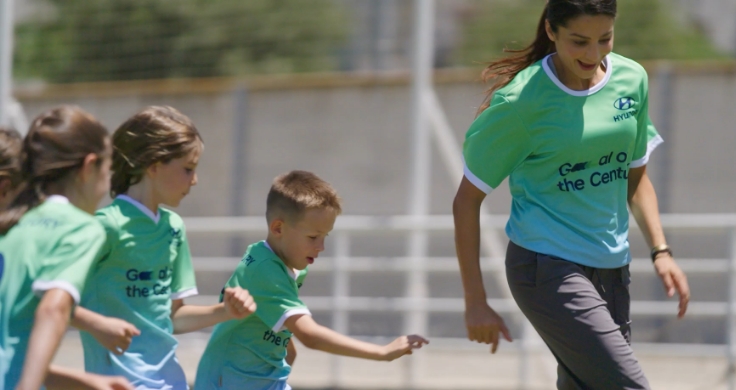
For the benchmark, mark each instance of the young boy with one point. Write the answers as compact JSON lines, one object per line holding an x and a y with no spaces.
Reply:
{"x":252,"y":353}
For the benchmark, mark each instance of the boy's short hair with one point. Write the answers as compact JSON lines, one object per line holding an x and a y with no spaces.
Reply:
{"x":294,"y":192}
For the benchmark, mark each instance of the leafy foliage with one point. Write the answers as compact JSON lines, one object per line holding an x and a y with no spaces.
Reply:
{"x":92,"y":40}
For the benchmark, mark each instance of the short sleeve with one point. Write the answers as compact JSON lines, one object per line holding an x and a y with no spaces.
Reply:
{"x":495,"y":144}
{"x":183,"y":282}
{"x":274,"y":293}
{"x":647,"y":137}
{"x":68,"y":265}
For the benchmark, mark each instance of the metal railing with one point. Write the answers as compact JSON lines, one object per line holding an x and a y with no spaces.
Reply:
{"x":418,"y":304}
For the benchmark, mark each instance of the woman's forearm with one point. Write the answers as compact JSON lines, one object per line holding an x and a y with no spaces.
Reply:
{"x":645,"y":208}
{"x":466,"y":213}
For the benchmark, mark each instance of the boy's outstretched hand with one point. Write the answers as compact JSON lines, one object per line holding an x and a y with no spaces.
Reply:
{"x":403,"y":345}
{"x":238,"y":302}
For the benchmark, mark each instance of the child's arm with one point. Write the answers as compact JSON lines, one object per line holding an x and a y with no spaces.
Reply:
{"x":316,"y":336}
{"x":112,"y":333}
{"x":49,"y":325}
{"x":67,"y":379}
{"x":290,"y":353}
{"x":237,"y":304}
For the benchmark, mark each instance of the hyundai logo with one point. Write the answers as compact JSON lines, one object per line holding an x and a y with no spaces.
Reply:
{"x":624,"y":103}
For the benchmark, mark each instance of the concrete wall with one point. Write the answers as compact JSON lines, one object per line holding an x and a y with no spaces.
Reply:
{"x":355,"y":132}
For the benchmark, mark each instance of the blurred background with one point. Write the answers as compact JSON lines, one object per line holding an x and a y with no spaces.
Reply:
{"x":375,"y":96}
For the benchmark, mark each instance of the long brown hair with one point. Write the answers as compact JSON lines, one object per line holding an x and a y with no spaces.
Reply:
{"x":56,"y":145}
{"x":156,"y":134}
{"x":558,"y":13}
{"x":10,"y":164}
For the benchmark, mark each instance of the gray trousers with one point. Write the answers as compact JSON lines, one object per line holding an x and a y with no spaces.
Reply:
{"x":582,"y":314}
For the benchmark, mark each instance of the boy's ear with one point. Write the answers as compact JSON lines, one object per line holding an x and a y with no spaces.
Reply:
{"x":276,"y":227}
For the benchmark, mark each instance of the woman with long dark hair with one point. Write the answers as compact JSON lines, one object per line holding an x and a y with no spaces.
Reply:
{"x":567,"y":121}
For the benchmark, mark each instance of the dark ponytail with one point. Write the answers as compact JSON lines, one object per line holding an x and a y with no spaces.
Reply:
{"x":558,"y":13}
{"x":56,"y":145}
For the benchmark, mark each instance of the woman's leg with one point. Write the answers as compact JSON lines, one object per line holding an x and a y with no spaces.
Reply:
{"x":574,"y":321}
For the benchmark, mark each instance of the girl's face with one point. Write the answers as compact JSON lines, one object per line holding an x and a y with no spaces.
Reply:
{"x":172,"y":181}
{"x":583,"y":44}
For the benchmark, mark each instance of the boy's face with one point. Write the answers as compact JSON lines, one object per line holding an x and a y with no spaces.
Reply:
{"x":302,"y":241}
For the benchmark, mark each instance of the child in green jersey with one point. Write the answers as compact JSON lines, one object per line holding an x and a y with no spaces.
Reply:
{"x":48,"y":243}
{"x":256,"y":353}
{"x":567,"y":122}
{"x":145,"y":269}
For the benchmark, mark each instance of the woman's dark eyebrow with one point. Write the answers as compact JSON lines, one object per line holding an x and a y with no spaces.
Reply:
{"x":584,"y":37}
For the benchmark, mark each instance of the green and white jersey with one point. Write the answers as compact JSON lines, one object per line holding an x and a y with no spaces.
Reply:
{"x":249,"y":353}
{"x":143,"y":266}
{"x":52,"y":247}
{"x":567,"y":155}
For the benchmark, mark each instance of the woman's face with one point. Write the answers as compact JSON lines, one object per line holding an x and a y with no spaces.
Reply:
{"x":583,"y":43}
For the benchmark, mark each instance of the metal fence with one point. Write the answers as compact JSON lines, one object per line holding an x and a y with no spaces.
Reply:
{"x":417,"y":304}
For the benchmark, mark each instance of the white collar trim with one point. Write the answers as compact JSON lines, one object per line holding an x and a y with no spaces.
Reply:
{"x":141,"y":207}
{"x":268,"y":246}
{"x":292,"y":272}
{"x":58,"y":199}
{"x":587,"y":92}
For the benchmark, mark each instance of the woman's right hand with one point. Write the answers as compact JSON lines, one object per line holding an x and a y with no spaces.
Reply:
{"x":484,"y":324}
{"x":114,"y":334}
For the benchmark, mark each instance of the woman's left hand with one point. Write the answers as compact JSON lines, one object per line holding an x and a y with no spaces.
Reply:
{"x":674,"y":280}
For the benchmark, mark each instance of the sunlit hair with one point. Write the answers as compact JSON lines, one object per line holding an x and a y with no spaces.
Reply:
{"x":55,"y":147}
{"x":156,"y":134}
{"x":558,"y":13}
{"x":295,"y":192}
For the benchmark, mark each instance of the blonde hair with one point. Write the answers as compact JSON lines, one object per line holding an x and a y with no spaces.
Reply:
{"x":156,"y":134}
{"x":295,"y":192}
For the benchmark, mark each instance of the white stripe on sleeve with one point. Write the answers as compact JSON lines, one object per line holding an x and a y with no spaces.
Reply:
{"x":190,"y":292}
{"x":651,"y":145}
{"x":476,"y":181}
{"x":292,"y":312}
{"x":39,"y":287}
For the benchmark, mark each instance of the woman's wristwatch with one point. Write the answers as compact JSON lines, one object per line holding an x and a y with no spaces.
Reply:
{"x":662,"y":248}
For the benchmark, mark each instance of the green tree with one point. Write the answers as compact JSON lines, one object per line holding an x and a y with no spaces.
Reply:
{"x":93,"y":40}
{"x":645,"y":29}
